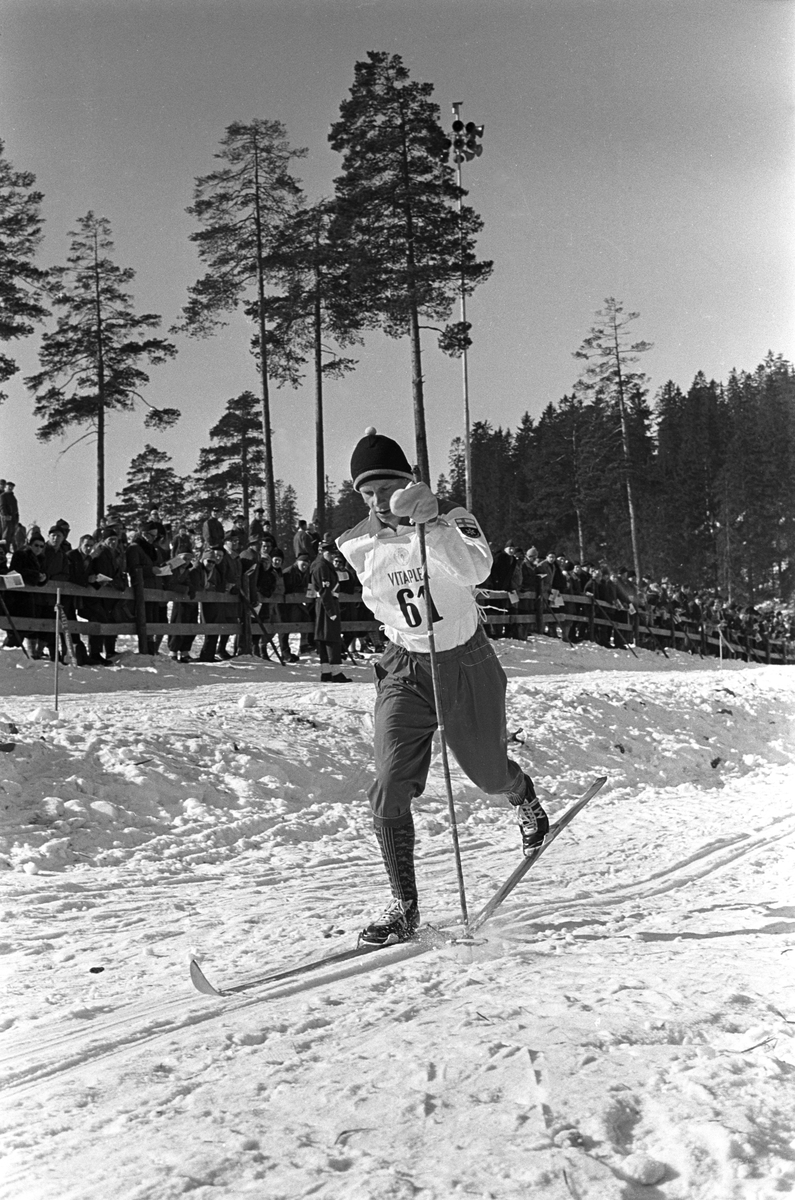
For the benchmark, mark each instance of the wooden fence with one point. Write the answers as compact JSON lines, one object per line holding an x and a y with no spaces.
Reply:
{"x":601,"y":621}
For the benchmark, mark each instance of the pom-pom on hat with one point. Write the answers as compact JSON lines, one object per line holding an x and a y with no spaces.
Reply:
{"x":377,"y":457}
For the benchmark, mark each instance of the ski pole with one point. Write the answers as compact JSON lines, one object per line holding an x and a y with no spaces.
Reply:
{"x":269,"y":638}
{"x":437,"y":696}
{"x":625,"y":644}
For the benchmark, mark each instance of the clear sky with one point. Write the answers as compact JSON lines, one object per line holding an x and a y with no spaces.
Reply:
{"x":641,"y":149}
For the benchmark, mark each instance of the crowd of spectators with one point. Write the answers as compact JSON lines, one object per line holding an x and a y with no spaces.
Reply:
{"x":618,"y":597}
{"x":243,"y":562}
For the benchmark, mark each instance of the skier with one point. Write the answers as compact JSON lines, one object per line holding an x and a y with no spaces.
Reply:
{"x":384,"y":551}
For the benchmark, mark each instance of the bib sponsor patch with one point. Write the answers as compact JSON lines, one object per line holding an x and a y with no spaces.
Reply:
{"x":467,"y":528}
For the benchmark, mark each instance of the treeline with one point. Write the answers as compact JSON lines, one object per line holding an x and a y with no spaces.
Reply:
{"x":711,"y":470}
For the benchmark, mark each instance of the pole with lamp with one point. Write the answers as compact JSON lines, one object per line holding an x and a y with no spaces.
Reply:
{"x":466,"y":145}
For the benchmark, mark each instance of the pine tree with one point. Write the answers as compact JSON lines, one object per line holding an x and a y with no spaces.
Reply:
{"x":493,"y":490}
{"x":232,"y":467}
{"x":21,"y":281}
{"x":755,"y":488}
{"x":411,"y":249}
{"x":286,"y":516}
{"x":691,"y":444}
{"x":609,"y":356}
{"x":312,"y":316}
{"x":241,"y":208}
{"x":90,"y":363}
{"x":151,"y":483}
{"x":349,"y":508}
{"x":457,"y":479}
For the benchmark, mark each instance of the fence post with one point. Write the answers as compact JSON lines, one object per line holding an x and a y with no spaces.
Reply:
{"x":539,"y":609}
{"x":244,"y":613}
{"x":636,"y":627}
{"x":592,"y":619}
{"x":140,"y":610}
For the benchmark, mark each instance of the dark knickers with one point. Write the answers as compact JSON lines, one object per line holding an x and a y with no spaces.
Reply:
{"x":473,"y":698}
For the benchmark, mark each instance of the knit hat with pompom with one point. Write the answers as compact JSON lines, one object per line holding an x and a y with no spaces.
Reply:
{"x":378,"y":457}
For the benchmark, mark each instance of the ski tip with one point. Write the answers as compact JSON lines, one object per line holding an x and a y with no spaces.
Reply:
{"x":200,"y":980}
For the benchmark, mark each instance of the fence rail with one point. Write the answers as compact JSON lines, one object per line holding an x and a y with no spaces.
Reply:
{"x":532,"y":614}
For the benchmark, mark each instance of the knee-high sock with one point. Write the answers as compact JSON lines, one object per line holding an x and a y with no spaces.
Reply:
{"x":397,"y":851}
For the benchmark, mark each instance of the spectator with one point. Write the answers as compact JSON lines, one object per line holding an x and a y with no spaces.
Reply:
{"x":505,"y":576}
{"x":552,"y":583}
{"x":217,"y":578}
{"x":28,"y":561}
{"x":328,"y":621}
{"x":528,"y":582}
{"x":186,"y":579}
{"x":65,"y":529}
{"x":314,"y":540}
{"x":110,"y":567}
{"x":302,"y":542}
{"x":82,"y":572}
{"x":56,"y":566}
{"x":260,"y":533}
{"x":232,"y":569}
{"x":213,"y":530}
{"x":142,"y":555}
{"x":296,"y":582}
{"x":9,"y":513}
{"x":347,"y":585}
{"x":183,"y":542}
{"x":56,"y":563}
{"x":278,"y":606}
{"x":266,"y":580}
{"x":570,"y":630}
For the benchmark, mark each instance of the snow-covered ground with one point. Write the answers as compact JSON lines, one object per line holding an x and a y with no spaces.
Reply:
{"x":624,"y":1027}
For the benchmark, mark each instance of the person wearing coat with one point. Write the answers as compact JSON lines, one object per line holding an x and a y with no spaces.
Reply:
{"x":505,"y":576}
{"x":142,"y":552}
{"x":83,"y":572}
{"x":213,"y":530}
{"x":296,"y":582}
{"x":328,"y":618}
{"x":187,"y":579}
{"x":218,"y":577}
{"x":28,"y":561}
{"x":9,"y":513}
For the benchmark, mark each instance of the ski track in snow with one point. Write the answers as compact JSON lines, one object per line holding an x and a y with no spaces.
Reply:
{"x":623,"y":1027}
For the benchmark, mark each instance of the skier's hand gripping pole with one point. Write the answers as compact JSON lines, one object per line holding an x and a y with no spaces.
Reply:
{"x":423,"y":511}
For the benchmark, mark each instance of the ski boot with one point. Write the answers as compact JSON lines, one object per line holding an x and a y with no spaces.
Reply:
{"x":397,"y":923}
{"x":533,"y":821}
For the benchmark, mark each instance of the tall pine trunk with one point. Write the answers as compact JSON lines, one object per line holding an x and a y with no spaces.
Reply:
{"x":320,"y":458}
{"x":418,"y":394}
{"x":245,"y":480}
{"x":270,"y":489}
{"x":100,"y":389}
{"x":622,"y":410}
{"x":417,"y":389}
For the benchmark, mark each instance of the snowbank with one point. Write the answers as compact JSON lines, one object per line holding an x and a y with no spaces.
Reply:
{"x":623,"y":1029}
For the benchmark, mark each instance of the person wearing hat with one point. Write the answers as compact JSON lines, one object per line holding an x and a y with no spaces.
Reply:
{"x":259,"y":533}
{"x":384,"y":551}
{"x":324,"y":581}
{"x":296,"y":582}
{"x":213,"y":530}
{"x":302,"y":542}
{"x":9,"y":512}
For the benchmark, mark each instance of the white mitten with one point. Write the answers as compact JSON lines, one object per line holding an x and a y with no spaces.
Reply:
{"x":416,"y":501}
